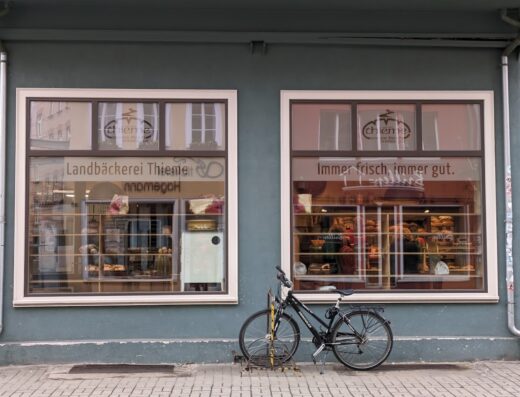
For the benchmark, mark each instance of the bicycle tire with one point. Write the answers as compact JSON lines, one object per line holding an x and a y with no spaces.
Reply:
{"x":372,"y":350}
{"x":255,"y":341}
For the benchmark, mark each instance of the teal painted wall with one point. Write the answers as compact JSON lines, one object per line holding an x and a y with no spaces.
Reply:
{"x":258,"y":79}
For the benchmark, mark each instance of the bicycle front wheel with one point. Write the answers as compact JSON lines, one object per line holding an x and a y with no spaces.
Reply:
{"x":267,"y":343}
{"x":362,"y":340}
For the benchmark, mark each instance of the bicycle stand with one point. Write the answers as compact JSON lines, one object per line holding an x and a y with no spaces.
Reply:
{"x":323,"y":352}
{"x":271,"y":360}
{"x":291,"y":364}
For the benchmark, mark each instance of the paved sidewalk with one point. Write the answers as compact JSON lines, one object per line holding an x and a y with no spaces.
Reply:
{"x":462,"y":379}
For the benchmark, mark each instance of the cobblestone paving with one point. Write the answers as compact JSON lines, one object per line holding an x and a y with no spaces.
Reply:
{"x":489,"y":379}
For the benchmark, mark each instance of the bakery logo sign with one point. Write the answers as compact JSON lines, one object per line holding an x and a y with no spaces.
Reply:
{"x":128,"y":126}
{"x":387,"y":128}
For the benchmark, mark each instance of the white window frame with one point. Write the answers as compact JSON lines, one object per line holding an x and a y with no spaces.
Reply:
{"x":231,"y":297}
{"x":490,"y":193}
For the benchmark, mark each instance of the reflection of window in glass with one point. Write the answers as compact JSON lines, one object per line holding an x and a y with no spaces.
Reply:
{"x":333,"y":130}
{"x":53,"y":108}
{"x":451,"y":126}
{"x":67,"y":131}
{"x":321,"y":126}
{"x":39,"y":125}
{"x":195,"y":126}
{"x":203,"y":132}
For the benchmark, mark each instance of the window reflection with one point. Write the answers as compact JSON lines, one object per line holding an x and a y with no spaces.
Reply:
{"x":50,"y":119}
{"x":386,"y":127}
{"x":451,"y":127}
{"x":128,"y":126}
{"x":387,"y":223}
{"x":321,"y":126}
{"x":126,"y":225}
{"x":195,"y":126}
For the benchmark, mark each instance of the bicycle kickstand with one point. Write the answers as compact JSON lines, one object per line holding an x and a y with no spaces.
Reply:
{"x":323,"y":360}
{"x":325,"y":352}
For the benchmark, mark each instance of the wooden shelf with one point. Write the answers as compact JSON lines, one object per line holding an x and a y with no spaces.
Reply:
{"x":98,"y":254}
{"x":365,"y":214}
{"x":103,"y":234}
{"x":357,"y":233}
{"x":105,"y":279}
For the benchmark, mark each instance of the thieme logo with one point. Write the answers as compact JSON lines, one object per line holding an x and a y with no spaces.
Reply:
{"x":127,"y":126}
{"x":387,"y":128}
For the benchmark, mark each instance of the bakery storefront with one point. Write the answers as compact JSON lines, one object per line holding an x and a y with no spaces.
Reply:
{"x":391,"y":194}
{"x":125,"y":197}
{"x":161,"y":161}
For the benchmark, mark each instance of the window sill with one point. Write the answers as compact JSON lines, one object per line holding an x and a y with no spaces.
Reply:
{"x":402,"y":297}
{"x":54,"y":301}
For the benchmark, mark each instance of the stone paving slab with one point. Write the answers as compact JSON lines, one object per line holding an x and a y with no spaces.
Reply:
{"x":489,"y":379}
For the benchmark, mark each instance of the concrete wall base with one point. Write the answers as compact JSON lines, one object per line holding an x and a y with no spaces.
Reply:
{"x":406,"y":349}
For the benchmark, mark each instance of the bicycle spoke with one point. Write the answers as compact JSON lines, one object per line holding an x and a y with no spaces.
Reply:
{"x":372,"y":346}
{"x":369,"y":349}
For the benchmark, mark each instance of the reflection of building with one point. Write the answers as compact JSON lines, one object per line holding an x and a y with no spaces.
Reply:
{"x":52,"y":124}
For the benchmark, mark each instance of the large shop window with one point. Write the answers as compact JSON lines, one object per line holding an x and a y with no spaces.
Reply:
{"x":390,"y":194}
{"x":123,"y":200}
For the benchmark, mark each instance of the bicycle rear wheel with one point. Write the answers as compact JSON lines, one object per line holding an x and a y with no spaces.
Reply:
{"x":264,"y":346}
{"x":368,"y":346}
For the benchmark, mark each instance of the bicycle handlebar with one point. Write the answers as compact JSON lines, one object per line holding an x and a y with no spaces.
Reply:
{"x":282,"y":277}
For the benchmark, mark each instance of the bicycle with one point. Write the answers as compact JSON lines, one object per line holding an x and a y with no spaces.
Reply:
{"x":361,"y":339}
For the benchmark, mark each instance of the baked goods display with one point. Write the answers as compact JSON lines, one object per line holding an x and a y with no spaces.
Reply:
{"x":427,"y":241}
{"x":113,"y":268}
{"x":371,"y":226}
{"x":138,"y":244}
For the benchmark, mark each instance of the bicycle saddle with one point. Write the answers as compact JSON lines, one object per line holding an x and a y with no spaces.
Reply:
{"x":334,"y":290}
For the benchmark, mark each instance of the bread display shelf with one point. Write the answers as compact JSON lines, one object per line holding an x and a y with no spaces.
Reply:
{"x":368,"y":213}
{"x":135,"y":246}
{"x":400,"y":242}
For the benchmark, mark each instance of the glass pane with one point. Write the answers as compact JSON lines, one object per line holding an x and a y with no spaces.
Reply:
{"x":60,"y":125}
{"x":196,"y":108}
{"x":386,"y":127}
{"x":196,"y":126}
{"x":321,"y":126}
{"x":451,"y":127}
{"x":388,"y":223}
{"x":196,"y":122}
{"x":126,"y":225}
{"x":128,"y":126}
{"x":196,"y":136}
{"x":210,"y":123}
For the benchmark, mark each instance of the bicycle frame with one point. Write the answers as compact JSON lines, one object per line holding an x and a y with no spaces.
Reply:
{"x":321,"y":338}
